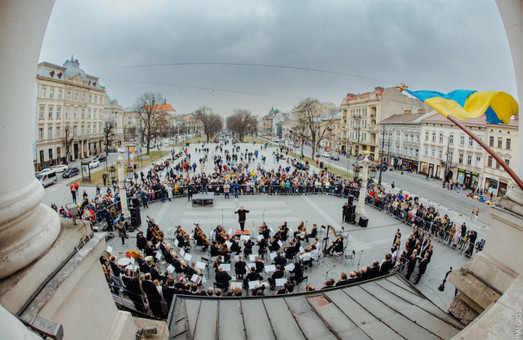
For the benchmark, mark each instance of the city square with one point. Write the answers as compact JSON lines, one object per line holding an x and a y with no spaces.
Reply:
{"x":261,"y":171}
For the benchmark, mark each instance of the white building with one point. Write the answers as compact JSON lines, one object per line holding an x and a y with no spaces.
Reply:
{"x":69,"y":114}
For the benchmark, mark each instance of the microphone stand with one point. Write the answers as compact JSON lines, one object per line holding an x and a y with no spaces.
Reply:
{"x":328,"y":270}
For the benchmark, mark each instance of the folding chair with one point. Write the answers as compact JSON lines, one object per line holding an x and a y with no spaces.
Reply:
{"x":351,"y":256}
{"x":303,"y":279}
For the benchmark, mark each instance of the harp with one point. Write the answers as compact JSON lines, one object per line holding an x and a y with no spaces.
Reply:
{"x":331,"y":236}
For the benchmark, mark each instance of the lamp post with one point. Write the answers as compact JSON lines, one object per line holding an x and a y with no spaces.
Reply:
{"x":360,"y":209}
{"x":112,"y":173}
{"x":381,"y":154}
{"x":357,"y":118}
{"x":121,"y":186}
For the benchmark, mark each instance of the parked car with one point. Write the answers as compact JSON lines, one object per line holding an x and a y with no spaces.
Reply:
{"x":112,"y":149}
{"x":46,"y":178}
{"x":100,"y":158}
{"x":122,"y":149}
{"x":94,"y":164}
{"x":326,"y":155}
{"x":70,"y":172}
{"x":382,"y":167}
{"x":335,"y":157}
{"x":60,"y":168}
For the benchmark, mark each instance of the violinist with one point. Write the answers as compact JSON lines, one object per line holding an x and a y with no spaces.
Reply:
{"x":336,"y":246}
{"x":215,"y":248}
{"x":275,"y":245}
{"x":247,"y":250}
{"x":265,"y":231}
{"x":283,"y":231}
{"x":225,"y":252}
{"x":220,"y":234}
{"x":291,"y":250}
{"x":183,"y":239}
{"x":201,"y":238}
{"x":312,"y":234}
{"x":301,"y":231}
{"x":235,"y":247}
{"x":262,"y":244}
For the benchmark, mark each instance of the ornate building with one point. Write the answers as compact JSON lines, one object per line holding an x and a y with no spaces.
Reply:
{"x":69,"y":114}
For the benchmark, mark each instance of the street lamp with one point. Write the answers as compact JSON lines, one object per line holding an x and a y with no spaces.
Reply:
{"x":357,"y":118}
{"x":360,"y":209}
{"x":130,"y":173}
{"x":121,"y":186}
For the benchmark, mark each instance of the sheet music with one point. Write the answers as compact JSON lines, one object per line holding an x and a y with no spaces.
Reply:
{"x":253,"y":284}
{"x":109,"y":249}
{"x":272,"y":255}
{"x":245,"y":237}
{"x":182,"y":252}
{"x":226,"y":267}
{"x":201,"y":265}
{"x":289,"y":267}
{"x":252,"y":258}
{"x":176,"y":242}
{"x":188,"y":257}
{"x":280,"y":282}
{"x":280,"y":243}
{"x":270,"y":268}
{"x":250,"y":265}
{"x":159,"y":255}
{"x":170,"y":269}
{"x":259,"y":237}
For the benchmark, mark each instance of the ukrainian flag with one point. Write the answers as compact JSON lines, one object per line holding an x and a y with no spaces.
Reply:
{"x":497,"y":106}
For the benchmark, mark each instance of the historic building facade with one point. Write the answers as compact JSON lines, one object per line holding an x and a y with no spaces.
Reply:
{"x":69,"y":114}
{"x":362,"y":113}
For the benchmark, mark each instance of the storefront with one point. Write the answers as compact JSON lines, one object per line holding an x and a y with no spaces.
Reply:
{"x":468,"y":179}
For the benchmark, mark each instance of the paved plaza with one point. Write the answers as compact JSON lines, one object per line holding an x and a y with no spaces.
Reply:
{"x":369,"y":244}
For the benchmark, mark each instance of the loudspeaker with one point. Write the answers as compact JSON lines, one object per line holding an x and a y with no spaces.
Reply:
{"x":364,"y":221}
{"x":350,"y":199}
{"x":136,"y":219}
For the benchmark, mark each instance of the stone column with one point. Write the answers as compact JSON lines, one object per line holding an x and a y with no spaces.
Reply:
{"x":27,"y":227}
{"x":360,"y":209}
{"x":121,"y":186}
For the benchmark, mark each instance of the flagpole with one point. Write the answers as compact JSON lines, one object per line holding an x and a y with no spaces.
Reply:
{"x":487,"y":148}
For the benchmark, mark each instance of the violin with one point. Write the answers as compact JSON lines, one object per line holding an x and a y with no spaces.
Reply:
{"x":201,"y":235}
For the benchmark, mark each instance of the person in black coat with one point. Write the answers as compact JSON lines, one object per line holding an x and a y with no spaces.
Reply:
{"x":133,"y":290}
{"x":422,"y":267}
{"x":374,"y":270}
{"x":411,"y":265}
{"x":298,"y":273}
{"x":240,"y":268}
{"x":386,"y":265}
{"x":141,"y":241}
{"x":114,"y":267}
{"x":280,"y":260}
{"x":222,"y":278}
{"x":168,"y":292}
{"x":242,"y":216}
{"x":252,"y":276}
{"x":153,"y":296}
{"x":278,"y":274}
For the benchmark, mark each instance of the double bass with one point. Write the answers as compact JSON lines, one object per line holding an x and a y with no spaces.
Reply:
{"x":200,"y":235}
{"x":156,"y":232}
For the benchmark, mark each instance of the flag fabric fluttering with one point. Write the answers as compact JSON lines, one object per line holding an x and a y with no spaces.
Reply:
{"x":497,"y":106}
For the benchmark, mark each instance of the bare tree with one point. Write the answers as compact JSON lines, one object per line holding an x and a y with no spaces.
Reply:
{"x":67,"y":141}
{"x":241,"y":123}
{"x":211,"y":122}
{"x":312,"y":120}
{"x":149,"y":112}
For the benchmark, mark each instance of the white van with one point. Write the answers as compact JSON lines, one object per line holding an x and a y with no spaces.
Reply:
{"x":46,"y":178}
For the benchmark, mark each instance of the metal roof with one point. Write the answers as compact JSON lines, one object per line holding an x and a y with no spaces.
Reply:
{"x":385,"y":308}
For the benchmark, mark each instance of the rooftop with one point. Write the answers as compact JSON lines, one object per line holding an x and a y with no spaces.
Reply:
{"x":384,"y":308}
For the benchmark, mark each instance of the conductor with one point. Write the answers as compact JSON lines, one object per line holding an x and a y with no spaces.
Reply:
{"x":242,"y":216}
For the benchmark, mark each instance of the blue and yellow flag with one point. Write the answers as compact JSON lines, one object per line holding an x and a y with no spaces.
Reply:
{"x":497,"y":106}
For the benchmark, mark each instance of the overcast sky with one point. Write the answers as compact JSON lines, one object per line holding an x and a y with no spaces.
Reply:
{"x":212,"y":52}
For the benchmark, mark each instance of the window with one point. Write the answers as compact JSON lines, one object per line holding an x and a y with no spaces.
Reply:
{"x":82,"y":131}
{"x":59,"y":97}
{"x":433,"y":152}
{"x":68,"y":95}
{"x":88,"y":129}
{"x":491,"y":141}
{"x":89,"y":113}
{"x":471,"y":141}
{"x":441,"y":138}
{"x":498,"y":166}
{"x":51,"y":93}
{"x":451,"y":139}
{"x":83,"y":97}
{"x":75,"y":113}
{"x":462,"y":140}
{"x":500,"y":142}
{"x":58,"y":111}
{"x":51,"y":155}
{"x":42,"y":112}
{"x":507,"y":161}
{"x":58,"y":153}
{"x":450,"y":158}
{"x":50,"y":112}
{"x":42,"y":93}
{"x":40,"y":133}
{"x":478,"y":161}
{"x":76,"y":96}
{"x":507,"y":144}
{"x":83,"y":113}
{"x":57,"y":133}
{"x":460,"y":158}
{"x":440,"y":154}
{"x":417,"y":153}
{"x":75,"y":131}
{"x":90,"y":98}
{"x":469,"y":160}
{"x":426,"y":136}
{"x":49,"y":132}
{"x":66,"y":112}
{"x":489,"y":162}
{"x":42,"y":160}
{"x":434,"y":136}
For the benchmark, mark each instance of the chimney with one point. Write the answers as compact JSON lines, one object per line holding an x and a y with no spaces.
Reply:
{"x":406,"y":112}
{"x":422,"y":111}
